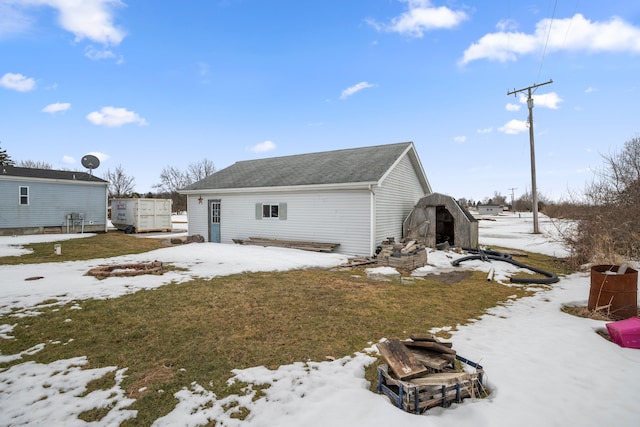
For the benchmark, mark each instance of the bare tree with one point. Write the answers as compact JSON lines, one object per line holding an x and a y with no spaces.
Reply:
{"x":173,"y":179}
{"x":499,"y":199}
{"x":34,"y":164}
{"x":200,"y":170}
{"x":120,"y":184}
{"x":607,"y":224}
{"x":618,"y":182}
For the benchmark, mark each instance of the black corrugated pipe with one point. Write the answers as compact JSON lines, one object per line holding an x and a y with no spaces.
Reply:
{"x":485,"y":255}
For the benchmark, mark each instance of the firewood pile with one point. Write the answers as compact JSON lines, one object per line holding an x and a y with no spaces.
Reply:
{"x":407,"y":255}
{"x":424,"y":372}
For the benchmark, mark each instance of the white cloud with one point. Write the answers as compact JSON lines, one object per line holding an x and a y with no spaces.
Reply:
{"x":85,"y":19}
{"x":101,"y":156}
{"x":421,"y":16}
{"x":514,"y":127}
{"x":460,"y":139}
{"x":98,"y":54}
{"x":17,"y":82}
{"x":507,"y":25}
{"x":115,"y":117}
{"x":88,"y":19}
{"x":13,"y":20}
{"x":68,"y":160}
{"x":57,"y":107}
{"x":512,"y":107}
{"x":485,"y":130}
{"x":569,"y":34}
{"x":590,"y":89}
{"x":263,"y":146}
{"x":547,"y":100}
{"x":355,"y":88}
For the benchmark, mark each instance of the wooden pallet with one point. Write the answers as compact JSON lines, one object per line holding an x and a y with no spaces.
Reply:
{"x":293,"y":244}
{"x":417,"y":395}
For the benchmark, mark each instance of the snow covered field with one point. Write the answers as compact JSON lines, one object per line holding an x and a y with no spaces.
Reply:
{"x":544,"y":367}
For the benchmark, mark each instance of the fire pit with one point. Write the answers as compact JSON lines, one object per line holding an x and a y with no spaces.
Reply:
{"x":126,"y":270}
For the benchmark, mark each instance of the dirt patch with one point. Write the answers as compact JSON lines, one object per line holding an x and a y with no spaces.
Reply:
{"x":451,"y":277}
{"x":583,"y":311}
{"x":157,"y":375}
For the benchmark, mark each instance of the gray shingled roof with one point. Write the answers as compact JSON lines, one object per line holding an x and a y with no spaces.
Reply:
{"x":355,"y":165}
{"x":48,"y":174}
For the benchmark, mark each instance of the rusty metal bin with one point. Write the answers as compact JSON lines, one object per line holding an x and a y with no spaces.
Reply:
{"x":614,"y":294}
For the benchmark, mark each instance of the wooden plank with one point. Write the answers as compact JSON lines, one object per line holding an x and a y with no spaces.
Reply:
{"x":442,"y":378}
{"x":293,"y":244}
{"x":431,"y":338}
{"x":431,"y":359}
{"x":401,"y":361}
{"x":433,"y":346}
{"x":424,"y":337}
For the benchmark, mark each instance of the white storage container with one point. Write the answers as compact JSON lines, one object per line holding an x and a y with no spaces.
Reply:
{"x":141,"y":215}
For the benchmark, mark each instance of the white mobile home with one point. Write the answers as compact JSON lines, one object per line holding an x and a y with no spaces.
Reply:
{"x":489,"y":209}
{"x":354,"y":197}
{"x":34,"y":201}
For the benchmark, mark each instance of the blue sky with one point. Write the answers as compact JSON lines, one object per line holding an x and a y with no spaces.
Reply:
{"x":150,"y":84}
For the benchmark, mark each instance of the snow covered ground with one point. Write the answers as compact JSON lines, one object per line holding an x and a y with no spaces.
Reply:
{"x":544,"y":367}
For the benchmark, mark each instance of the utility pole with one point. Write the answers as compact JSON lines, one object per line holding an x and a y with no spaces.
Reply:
{"x":534,"y":190}
{"x":512,"y":190}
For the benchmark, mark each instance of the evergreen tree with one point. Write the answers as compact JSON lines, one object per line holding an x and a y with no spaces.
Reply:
{"x":5,"y":159}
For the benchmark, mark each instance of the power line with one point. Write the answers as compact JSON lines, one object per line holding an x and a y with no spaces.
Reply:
{"x":546,"y":43}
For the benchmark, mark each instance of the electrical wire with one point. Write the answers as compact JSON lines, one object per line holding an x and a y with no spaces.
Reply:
{"x":546,"y":43}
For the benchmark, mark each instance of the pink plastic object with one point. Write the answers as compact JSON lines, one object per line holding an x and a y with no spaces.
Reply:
{"x":625,"y":333}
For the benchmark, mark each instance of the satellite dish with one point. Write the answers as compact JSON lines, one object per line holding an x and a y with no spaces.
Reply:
{"x":90,"y":162}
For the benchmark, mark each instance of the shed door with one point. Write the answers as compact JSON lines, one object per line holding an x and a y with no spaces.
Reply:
{"x":214,"y":221}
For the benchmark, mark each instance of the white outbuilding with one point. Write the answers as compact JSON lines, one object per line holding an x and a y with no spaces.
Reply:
{"x":354,"y":197}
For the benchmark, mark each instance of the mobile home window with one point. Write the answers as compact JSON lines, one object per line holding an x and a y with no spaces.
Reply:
{"x":24,"y":195}
{"x":270,"y":211}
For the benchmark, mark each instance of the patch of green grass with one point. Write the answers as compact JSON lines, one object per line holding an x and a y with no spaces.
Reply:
{"x":199,"y":331}
{"x":102,"y":245}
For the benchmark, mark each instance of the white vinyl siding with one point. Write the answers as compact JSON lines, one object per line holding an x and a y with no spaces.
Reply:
{"x":198,"y":215}
{"x":318,"y":216}
{"x":398,"y":194}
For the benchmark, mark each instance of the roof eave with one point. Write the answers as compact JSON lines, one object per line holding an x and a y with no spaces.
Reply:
{"x":287,"y":188}
{"x":52,"y":180}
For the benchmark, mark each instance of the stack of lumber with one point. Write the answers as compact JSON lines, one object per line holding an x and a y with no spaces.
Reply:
{"x":294,"y":244}
{"x":424,"y":372}
{"x":407,"y":255}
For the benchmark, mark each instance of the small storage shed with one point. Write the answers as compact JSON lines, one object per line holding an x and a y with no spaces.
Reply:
{"x":34,"y":201}
{"x":354,"y":197}
{"x":438,"y":218}
{"x":489,"y":209}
